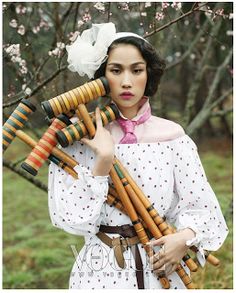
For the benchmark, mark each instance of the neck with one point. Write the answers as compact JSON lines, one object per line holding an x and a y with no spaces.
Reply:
{"x":129,"y":114}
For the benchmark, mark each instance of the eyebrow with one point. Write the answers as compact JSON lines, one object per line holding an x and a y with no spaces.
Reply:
{"x":118,"y":64}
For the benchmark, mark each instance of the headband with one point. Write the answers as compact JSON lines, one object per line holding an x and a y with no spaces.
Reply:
{"x":89,"y":50}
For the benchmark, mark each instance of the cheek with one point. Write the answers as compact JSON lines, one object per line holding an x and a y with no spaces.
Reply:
{"x":112,"y":82}
{"x":142,"y":81}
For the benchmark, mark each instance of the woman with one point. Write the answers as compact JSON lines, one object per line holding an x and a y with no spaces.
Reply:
{"x":160,"y":157}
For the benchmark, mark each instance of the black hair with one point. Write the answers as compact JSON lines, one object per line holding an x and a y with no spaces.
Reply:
{"x":155,"y":65}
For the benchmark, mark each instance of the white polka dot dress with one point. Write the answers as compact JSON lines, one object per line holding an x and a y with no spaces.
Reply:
{"x":171,"y":176}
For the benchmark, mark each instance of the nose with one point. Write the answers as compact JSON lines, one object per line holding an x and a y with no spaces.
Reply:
{"x":126,"y":81}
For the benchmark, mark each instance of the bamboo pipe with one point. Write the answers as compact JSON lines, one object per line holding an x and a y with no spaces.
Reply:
{"x":163,"y":227}
{"x":134,"y":219}
{"x":32,"y":143}
{"x":16,"y":121}
{"x":149,"y":222}
{"x":70,"y":100}
{"x":55,"y":151}
{"x":209,"y":257}
{"x":43,"y":148}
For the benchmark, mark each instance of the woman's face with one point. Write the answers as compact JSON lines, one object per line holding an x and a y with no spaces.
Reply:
{"x":127,"y":76}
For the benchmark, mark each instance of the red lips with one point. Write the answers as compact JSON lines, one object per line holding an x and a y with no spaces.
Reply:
{"x":126,"y":94}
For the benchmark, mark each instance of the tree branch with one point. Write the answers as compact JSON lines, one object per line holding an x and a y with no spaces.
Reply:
{"x":36,"y":89}
{"x":193,"y":10}
{"x":222,"y":112}
{"x":217,"y":78}
{"x":221,"y":98}
{"x":192,"y":93}
{"x":23,"y":174}
{"x":190,"y":48}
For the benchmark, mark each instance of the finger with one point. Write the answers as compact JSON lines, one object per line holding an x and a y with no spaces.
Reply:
{"x":153,"y":259}
{"x":157,"y":242}
{"x":173,"y":269}
{"x":161,"y":271}
{"x":159,"y":264}
{"x":86,"y":141}
{"x":168,"y":269}
{"x":98,"y":118}
{"x":157,"y":256}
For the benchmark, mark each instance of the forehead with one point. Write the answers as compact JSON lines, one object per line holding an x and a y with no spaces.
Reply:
{"x":125,"y":54}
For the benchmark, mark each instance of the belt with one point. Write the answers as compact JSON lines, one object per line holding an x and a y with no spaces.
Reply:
{"x":130,"y":239}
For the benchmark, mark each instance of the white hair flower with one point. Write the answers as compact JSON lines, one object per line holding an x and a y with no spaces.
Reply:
{"x":89,"y":50}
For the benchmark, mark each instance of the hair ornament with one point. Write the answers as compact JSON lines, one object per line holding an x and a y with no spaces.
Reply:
{"x":89,"y":50}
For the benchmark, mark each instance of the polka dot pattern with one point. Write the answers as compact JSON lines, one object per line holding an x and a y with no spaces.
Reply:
{"x":171,"y":175}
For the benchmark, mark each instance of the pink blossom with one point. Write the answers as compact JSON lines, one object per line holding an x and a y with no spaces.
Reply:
{"x":43,"y":24}
{"x":86,"y":17}
{"x":13,"y":23}
{"x":80,"y":23}
{"x":176,"y":5}
{"x":57,"y":52}
{"x":209,"y":12}
{"x":13,"y":49}
{"x":23,"y":70}
{"x":16,"y":59}
{"x":164,"y":5}
{"x":22,"y":63}
{"x":60,"y":45}
{"x":27,"y":90}
{"x":229,"y":33}
{"x":20,"y":9}
{"x":73,"y":36}
{"x":21,"y":30}
{"x":100,"y":6}
{"x":147,"y":4}
{"x":160,"y":16}
{"x":220,"y":12}
{"x":125,"y":6}
{"x":36,"y":29}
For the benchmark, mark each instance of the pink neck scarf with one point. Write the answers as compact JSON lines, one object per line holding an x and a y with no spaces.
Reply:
{"x":128,"y":127}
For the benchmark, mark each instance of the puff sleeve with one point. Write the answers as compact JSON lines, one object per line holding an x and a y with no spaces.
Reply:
{"x":196,"y":206}
{"x":76,"y":205}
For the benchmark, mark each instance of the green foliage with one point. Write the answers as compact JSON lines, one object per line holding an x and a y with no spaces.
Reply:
{"x":38,"y":256}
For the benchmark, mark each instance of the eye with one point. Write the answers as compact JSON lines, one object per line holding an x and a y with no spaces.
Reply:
{"x":115,"y":70}
{"x":138,"y":70}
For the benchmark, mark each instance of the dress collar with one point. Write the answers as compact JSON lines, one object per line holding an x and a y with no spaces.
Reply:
{"x":144,"y":105}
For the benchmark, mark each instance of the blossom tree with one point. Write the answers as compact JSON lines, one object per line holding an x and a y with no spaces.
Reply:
{"x":195,"y":39}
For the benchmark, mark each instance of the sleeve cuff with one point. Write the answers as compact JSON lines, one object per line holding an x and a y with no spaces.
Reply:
{"x":195,"y":241}
{"x":98,"y":184}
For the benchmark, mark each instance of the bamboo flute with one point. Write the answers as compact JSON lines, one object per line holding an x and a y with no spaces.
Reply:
{"x":149,"y":209}
{"x":134,"y":219}
{"x":149,"y":221}
{"x":164,"y":228}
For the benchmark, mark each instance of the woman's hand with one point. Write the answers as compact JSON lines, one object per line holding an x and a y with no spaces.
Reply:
{"x":103,"y":146}
{"x":173,"y":249}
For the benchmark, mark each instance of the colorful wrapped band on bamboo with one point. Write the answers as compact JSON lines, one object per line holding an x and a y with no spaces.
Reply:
{"x":43,"y":149}
{"x":16,"y":121}
{"x":76,"y":131}
{"x":80,"y":95}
